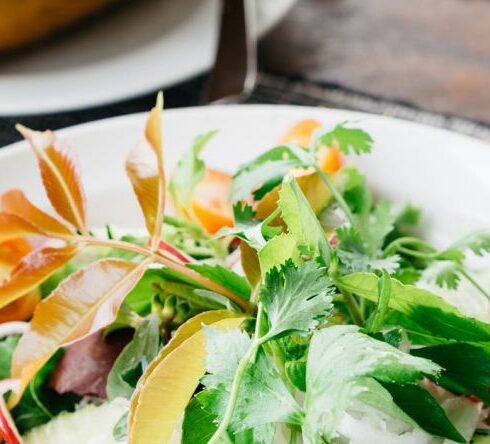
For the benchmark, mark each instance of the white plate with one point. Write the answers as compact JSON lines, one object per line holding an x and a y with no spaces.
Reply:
{"x":444,"y":173}
{"x":144,"y":46}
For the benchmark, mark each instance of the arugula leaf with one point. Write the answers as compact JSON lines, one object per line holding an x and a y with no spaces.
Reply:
{"x":301,"y":220}
{"x":466,"y":367}
{"x":267,"y":171}
{"x":221,"y":275}
{"x":188,"y":173}
{"x":421,"y":406}
{"x":426,"y":313}
{"x":296,"y":298}
{"x":7,"y":347}
{"x":245,"y":227}
{"x":134,"y":358}
{"x":339,"y":361}
{"x":347,"y":139}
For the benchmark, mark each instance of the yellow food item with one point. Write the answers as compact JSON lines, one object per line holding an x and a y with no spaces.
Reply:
{"x":26,"y":21}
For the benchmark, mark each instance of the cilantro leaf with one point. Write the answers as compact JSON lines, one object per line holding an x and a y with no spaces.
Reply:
{"x":245,"y":227}
{"x":134,"y":358}
{"x":446,"y":274}
{"x":354,"y":256}
{"x":263,"y":397}
{"x":339,"y":361}
{"x":478,"y":243}
{"x":224,"y":351}
{"x":301,"y":220}
{"x":277,"y":251}
{"x":267,"y":170}
{"x":188,"y":173}
{"x":347,"y":139}
{"x":296,"y":298}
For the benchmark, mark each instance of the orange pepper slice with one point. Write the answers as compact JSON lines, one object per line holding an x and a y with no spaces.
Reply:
{"x":210,"y":202}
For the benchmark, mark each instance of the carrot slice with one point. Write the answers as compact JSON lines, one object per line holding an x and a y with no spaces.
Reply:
{"x":301,"y":132}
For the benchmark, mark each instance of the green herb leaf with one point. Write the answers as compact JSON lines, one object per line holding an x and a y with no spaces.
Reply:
{"x":134,"y":358}
{"x":188,"y":173}
{"x":277,"y":251}
{"x":466,"y":367}
{"x":421,"y":406}
{"x":347,"y":139}
{"x":478,"y":243}
{"x":7,"y":347}
{"x":296,"y":298}
{"x":339,"y":360}
{"x":302,"y":222}
{"x":426,"y":313}
{"x":221,"y":275}
{"x":245,"y":227}
{"x":267,"y":170}
{"x":384,"y":295}
{"x":198,"y":425}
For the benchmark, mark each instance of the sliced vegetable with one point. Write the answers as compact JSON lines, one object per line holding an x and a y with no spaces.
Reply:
{"x":210,"y":201}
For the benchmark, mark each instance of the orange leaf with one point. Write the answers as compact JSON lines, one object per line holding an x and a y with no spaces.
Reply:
{"x":32,"y":270}
{"x":16,"y":202}
{"x":148,"y":176}
{"x":13,"y":227}
{"x":83,"y":303}
{"x":60,"y":176}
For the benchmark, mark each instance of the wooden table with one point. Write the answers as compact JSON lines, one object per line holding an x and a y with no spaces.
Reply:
{"x":434,"y":54}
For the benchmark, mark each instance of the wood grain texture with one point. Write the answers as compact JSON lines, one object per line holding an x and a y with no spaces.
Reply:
{"x":435,"y":55}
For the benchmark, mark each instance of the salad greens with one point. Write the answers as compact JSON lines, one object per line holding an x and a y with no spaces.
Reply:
{"x":311,"y":317}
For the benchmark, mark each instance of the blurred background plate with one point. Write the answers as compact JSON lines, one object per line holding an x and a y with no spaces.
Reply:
{"x":136,"y":48}
{"x":444,"y":173}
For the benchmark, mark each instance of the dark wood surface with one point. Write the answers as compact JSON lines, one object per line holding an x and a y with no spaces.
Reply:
{"x":434,"y":54}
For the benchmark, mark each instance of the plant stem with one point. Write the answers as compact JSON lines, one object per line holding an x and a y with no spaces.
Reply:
{"x":160,"y":258}
{"x":336,"y":194}
{"x":393,"y":246}
{"x":353,"y":307}
{"x":473,"y":282}
{"x":237,"y":379}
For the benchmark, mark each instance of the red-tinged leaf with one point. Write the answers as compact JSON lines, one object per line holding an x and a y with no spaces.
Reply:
{"x":82,"y":304}
{"x":144,"y":167}
{"x":14,"y":227}
{"x":8,"y":430}
{"x":32,"y":270}
{"x":60,"y":176}
{"x":15,"y":202}
{"x":84,"y":367}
